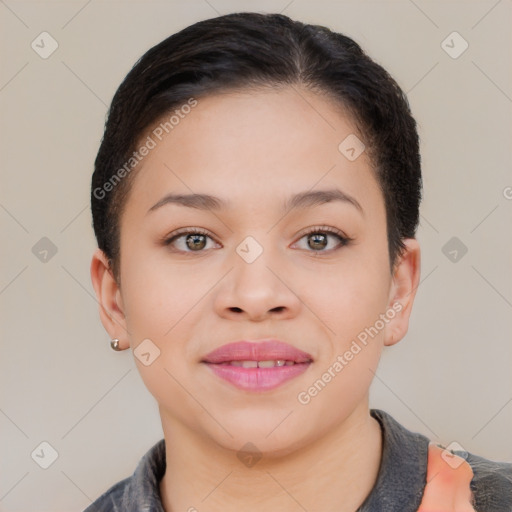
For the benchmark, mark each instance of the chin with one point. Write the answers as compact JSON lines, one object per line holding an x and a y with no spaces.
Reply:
{"x":269,"y":434}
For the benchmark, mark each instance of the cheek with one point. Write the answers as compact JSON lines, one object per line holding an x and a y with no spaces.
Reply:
{"x":162,"y":302}
{"x":157,"y":293}
{"x":352,"y":295}
{"x":351,"y":309}
{"x":159,"y":305}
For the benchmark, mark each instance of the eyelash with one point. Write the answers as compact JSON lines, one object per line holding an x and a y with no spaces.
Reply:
{"x":344,"y":240}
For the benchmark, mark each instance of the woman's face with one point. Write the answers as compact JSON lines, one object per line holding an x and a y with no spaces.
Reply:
{"x":253,"y":273}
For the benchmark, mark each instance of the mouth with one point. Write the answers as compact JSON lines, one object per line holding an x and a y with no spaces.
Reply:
{"x":257,"y":366}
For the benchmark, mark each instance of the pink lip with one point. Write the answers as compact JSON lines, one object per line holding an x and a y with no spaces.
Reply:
{"x":257,"y":379}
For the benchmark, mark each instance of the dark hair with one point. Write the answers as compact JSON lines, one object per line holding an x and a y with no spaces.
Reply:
{"x":251,"y":50}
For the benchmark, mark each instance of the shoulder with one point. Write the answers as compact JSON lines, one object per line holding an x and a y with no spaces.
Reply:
{"x":111,"y":499}
{"x":139,"y":491}
{"x":491,"y":484}
{"x":405,"y":464}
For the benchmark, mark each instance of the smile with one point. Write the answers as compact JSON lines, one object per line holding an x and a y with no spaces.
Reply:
{"x":260,"y":366}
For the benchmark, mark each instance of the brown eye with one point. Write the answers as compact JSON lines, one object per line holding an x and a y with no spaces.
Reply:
{"x":318,"y":239}
{"x":195,"y":240}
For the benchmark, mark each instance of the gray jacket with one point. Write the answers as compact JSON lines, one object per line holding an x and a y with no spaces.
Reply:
{"x":399,"y":487}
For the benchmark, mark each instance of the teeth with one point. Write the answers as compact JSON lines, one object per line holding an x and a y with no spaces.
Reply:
{"x":267,"y":364}
{"x":261,"y":364}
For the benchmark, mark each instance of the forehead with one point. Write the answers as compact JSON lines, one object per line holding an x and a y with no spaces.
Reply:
{"x":253,"y":145}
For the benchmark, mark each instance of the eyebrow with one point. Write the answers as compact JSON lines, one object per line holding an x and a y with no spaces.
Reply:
{"x":301,"y":200}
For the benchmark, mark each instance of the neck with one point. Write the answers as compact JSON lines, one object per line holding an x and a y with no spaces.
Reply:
{"x":335,"y":473}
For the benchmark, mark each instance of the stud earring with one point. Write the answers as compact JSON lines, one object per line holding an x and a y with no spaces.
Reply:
{"x":115,"y":345}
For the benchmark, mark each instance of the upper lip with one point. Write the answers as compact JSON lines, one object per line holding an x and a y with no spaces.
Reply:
{"x":259,"y":350}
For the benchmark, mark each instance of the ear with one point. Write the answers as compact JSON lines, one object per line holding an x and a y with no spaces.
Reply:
{"x":405,"y":282}
{"x":109,"y":298}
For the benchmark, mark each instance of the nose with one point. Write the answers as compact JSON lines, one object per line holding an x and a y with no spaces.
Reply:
{"x":258,"y":289}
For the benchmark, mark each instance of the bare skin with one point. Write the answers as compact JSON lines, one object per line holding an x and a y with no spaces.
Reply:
{"x":256,"y":149}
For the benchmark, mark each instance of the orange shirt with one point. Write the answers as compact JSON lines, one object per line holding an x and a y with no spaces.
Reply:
{"x":448,"y":483}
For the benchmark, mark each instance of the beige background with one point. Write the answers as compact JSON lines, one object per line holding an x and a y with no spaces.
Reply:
{"x":60,"y":382}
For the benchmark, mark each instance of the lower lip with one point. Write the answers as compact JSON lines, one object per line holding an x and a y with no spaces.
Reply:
{"x":258,"y":379}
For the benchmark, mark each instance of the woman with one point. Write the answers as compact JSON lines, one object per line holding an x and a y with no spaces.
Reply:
{"x":255,"y":201}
